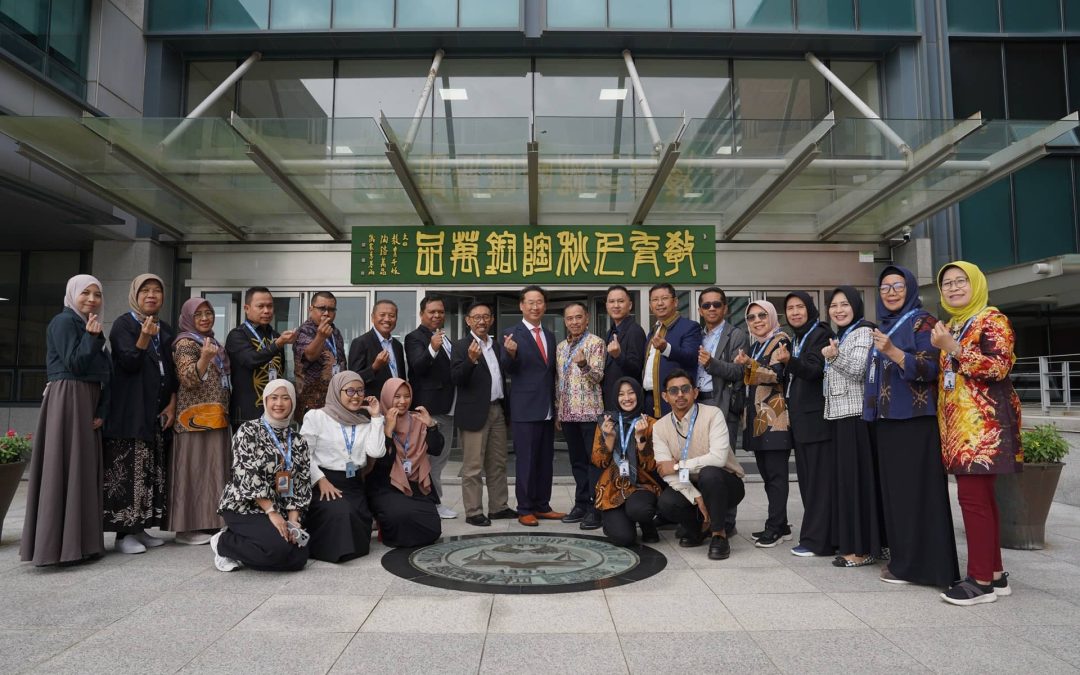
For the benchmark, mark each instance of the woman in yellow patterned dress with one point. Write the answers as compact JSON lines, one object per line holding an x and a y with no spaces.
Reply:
{"x":979,"y":418}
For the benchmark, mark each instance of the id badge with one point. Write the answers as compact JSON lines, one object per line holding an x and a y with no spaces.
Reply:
{"x":350,"y":469}
{"x":684,"y":476}
{"x":272,"y":374}
{"x":336,"y":369}
{"x":161,"y":368}
{"x":950,"y":380}
{"x":407,"y":465}
{"x":283,"y":482}
{"x":225,"y":384}
{"x":624,"y":469}
{"x":872,"y":375}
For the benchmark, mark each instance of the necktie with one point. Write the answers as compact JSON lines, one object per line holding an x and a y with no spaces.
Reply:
{"x":389,"y":347}
{"x":540,"y":343}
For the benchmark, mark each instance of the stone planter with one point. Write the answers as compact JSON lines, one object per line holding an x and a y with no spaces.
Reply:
{"x":1024,"y":501}
{"x":10,"y":475}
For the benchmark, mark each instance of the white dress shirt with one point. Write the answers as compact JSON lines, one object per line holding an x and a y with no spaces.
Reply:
{"x":326,"y":444}
{"x":488,"y":350}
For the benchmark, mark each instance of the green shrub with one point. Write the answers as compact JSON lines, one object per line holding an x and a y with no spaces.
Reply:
{"x":1043,"y":444}
{"x":14,"y":448}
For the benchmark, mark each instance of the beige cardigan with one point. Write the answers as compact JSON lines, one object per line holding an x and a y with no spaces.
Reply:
{"x":709,"y":446}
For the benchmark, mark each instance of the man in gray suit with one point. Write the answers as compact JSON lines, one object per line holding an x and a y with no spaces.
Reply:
{"x":719,"y":378}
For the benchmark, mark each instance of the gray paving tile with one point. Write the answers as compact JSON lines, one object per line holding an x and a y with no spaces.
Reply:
{"x":406,"y":588}
{"x":66,"y":608}
{"x":1044,"y":572}
{"x":127,"y":650}
{"x":443,"y":653}
{"x":21,"y":650}
{"x":789,"y":611}
{"x":185,"y":609}
{"x":670,"y":614}
{"x":243,"y":580}
{"x":1058,"y":641}
{"x":552,"y":653}
{"x":753,"y":580}
{"x":909,"y":610}
{"x":666,"y":582}
{"x":334,"y":580}
{"x":240,"y":651}
{"x":172,"y":555}
{"x":825,"y":577}
{"x":467,"y":614}
{"x":743,"y":554}
{"x":559,"y":613}
{"x":316,"y":613}
{"x":702,"y":653}
{"x":975,"y":650}
{"x":1030,"y":607}
{"x":834,"y":651}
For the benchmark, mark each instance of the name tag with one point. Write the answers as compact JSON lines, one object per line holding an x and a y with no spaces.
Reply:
{"x":283,"y":483}
{"x":624,"y":469}
{"x":225,"y":384}
{"x":336,"y":369}
{"x":407,"y":465}
{"x":161,"y":368}
{"x":684,"y":476}
{"x":272,"y":374}
{"x":350,"y":469}
{"x":950,"y":380}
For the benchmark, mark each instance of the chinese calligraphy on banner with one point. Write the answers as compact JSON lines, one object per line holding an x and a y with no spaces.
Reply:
{"x":546,"y":254}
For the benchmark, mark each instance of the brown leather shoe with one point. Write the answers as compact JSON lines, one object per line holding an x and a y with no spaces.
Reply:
{"x":550,"y":515}
{"x":528,"y":520}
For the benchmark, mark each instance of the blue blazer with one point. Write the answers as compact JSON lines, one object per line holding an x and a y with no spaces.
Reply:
{"x":684,"y":336}
{"x":532,"y":382}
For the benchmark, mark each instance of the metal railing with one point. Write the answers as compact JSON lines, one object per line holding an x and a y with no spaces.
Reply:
{"x":1047,"y":380}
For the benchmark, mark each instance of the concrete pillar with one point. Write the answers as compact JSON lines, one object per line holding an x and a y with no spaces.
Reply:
{"x":116,"y":263}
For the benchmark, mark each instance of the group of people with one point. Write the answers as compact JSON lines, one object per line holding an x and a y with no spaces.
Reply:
{"x":177,"y":431}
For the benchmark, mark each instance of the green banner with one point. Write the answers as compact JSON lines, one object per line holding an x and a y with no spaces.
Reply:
{"x":533,"y":255}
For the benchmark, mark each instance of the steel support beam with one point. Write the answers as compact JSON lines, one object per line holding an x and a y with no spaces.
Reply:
{"x":404,"y":174}
{"x":212,"y":98}
{"x":639,"y":91}
{"x":421,"y":105}
{"x":533,"y":154}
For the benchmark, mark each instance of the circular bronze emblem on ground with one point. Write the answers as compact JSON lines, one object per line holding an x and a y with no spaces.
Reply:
{"x":524,"y":563}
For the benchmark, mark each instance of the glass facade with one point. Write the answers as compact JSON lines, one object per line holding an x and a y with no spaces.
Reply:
{"x":50,"y":36}
{"x":1013,"y":16}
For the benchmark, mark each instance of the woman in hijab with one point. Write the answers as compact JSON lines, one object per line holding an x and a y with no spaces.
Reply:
{"x":199,"y":467}
{"x":815,"y":464}
{"x":857,"y":512}
{"x":269,"y":490}
{"x":63,"y":498}
{"x":627,"y":488}
{"x":900,"y":403}
{"x":399,"y":485}
{"x":979,"y":415}
{"x":767,"y":431}
{"x":137,"y":430}
{"x":341,"y":436}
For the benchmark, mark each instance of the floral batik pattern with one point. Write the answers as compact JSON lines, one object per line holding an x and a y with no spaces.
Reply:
{"x":134,"y":485}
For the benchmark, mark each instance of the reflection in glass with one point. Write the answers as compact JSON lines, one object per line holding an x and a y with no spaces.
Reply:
{"x":576,"y":14}
{"x":28,"y":18}
{"x":203,"y":77}
{"x":239,"y":14}
{"x":1035,"y":80}
{"x":639,"y":13}
{"x":1031,"y":16}
{"x":894,"y":15}
{"x":426,"y":13}
{"x":986,"y":227}
{"x":365,"y":87}
{"x":178,"y":15}
{"x":47,"y":275}
{"x":699,"y":88}
{"x":300,"y":89}
{"x":363,"y":13}
{"x":826,"y":15}
{"x":763,"y":14}
{"x":300,"y":14}
{"x":9,"y":306}
{"x":986,"y":93}
{"x":974,"y":16}
{"x":69,"y":31}
{"x":1045,"y":221}
{"x":490,"y":13}
{"x":711,"y":14}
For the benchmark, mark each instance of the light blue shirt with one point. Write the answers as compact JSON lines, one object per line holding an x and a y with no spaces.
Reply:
{"x":709,"y":342}
{"x":388,"y":345}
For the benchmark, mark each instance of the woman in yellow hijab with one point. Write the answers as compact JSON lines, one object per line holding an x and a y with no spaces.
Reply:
{"x":979,"y":418}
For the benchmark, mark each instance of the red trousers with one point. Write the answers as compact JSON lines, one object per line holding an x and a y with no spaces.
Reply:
{"x":982,"y":523}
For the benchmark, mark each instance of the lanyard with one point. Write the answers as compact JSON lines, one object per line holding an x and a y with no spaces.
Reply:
{"x":624,"y":438}
{"x":349,"y":440}
{"x":949,"y":361}
{"x":689,"y":432}
{"x":285,"y":454}
{"x":156,"y":340}
{"x":892,"y":330}
{"x":570,"y":357}
{"x":331,"y":343}
{"x":219,"y":360}
{"x":261,"y":339}
{"x":760,"y":351}
{"x":799,"y":346}
{"x":404,"y":439}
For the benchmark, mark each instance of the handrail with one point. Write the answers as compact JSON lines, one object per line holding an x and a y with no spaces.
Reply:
{"x":1047,"y":379}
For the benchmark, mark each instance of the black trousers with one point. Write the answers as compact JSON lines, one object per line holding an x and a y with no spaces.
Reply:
{"x":579,"y":442}
{"x":773,"y":467}
{"x":733,"y":437}
{"x":253,"y":540}
{"x":621,"y":522}
{"x":534,"y":458}
{"x":340,"y":528}
{"x":406,"y":521}
{"x":720,"y":490}
{"x":815,"y":464}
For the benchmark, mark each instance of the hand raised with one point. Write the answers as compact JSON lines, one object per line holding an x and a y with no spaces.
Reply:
{"x":475,"y":351}
{"x":372,"y":405}
{"x":391,"y":421}
{"x":741,"y":358}
{"x":286,"y":338}
{"x":381,"y":360}
{"x":326,"y":328}
{"x":831,"y":350}
{"x":424,"y":415}
{"x":658,"y":343}
{"x":93,"y":325}
{"x":150,"y":327}
{"x":208,"y":351}
{"x":941,"y":338}
{"x":782,"y":355}
{"x":703,"y":356}
{"x":437,"y":340}
{"x":613,"y":347}
{"x":608,"y":427}
{"x":510,"y":345}
{"x":882,"y":342}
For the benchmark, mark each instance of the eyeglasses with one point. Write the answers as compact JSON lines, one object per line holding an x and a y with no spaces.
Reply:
{"x":840,"y":305}
{"x":661,"y":298}
{"x":760,"y":316}
{"x":353,"y":391}
{"x":480,"y":317}
{"x":324,"y":309}
{"x":204,"y":315}
{"x":675,"y":391}
{"x":712,"y":305}
{"x":954,"y":283}
{"x":897,"y":287}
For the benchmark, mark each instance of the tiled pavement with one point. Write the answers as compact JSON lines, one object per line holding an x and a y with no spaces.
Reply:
{"x":168,"y":610}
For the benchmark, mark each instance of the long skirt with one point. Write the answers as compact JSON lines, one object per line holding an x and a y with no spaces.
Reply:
{"x":815,"y":464}
{"x":406,"y":521}
{"x":254,"y":541}
{"x":340,"y":528}
{"x":915,"y":493}
{"x":858,"y":517}
{"x":63,"y":497}
{"x":134,"y":483}
{"x":200,"y":466}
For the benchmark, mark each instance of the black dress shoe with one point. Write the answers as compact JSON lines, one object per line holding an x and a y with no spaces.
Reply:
{"x":576,"y":515}
{"x":690,"y":541}
{"x":505,"y":514}
{"x":649,"y":535}
{"x":719,"y":548}
{"x":480,"y":520}
{"x":660,"y":521}
{"x":592,"y":521}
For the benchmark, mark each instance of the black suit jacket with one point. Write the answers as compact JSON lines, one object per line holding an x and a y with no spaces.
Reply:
{"x":805,"y":397}
{"x":631,"y":361}
{"x":429,"y":375}
{"x":362,"y":353}
{"x":532,"y":382}
{"x":473,"y":383}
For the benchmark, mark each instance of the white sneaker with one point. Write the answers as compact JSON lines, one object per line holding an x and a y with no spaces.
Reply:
{"x":147,"y":540}
{"x":129,"y":544}
{"x":222,"y":563}
{"x":446,"y":513}
{"x":192,"y":538}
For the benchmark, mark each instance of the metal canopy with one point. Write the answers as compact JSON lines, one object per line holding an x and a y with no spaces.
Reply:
{"x":840,"y":180}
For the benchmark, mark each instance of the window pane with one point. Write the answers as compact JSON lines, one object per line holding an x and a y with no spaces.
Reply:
{"x":976,"y":16}
{"x":493,"y":87}
{"x":47,"y":275}
{"x":176,"y":15}
{"x":69,"y":29}
{"x":700,"y":88}
{"x":826,"y":15}
{"x":639,"y":13}
{"x":1073,"y":53}
{"x":763,"y":14}
{"x":1035,"y":78}
{"x":300,"y":14}
{"x":572,"y":88}
{"x":898,"y":15}
{"x":203,"y":77}
{"x":363,"y":13}
{"x":985,"y":93}
{"x":406,"y":314}
{"x":1072,"y":14}
{"x":297,"y":89}
{"x":9,"y":306}
{"x":239,"y":14}
{"x":701,"y":13}
{"x":986,"y":227}
{"x":1044,"y":211}
{"x":777,"y":89}
{"x":1031,"y":16}
{"x":490,"y":13}
{"x":28,"y":18}
{"x":862,"y":78}
{"x":427,"y":13}
{"x":576,"y":13}
{"x":365,"y":87}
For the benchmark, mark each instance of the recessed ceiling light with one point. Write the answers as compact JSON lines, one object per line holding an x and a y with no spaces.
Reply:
{"x":343,"y":150}
{"x":454,"y":94}
{"x":612,"y":94}
{"x":481,"y":195}
{"x":691,"y":195}
{"x":587,"y":195}
{"x":727,"y":150}
{"x":373,"y":195}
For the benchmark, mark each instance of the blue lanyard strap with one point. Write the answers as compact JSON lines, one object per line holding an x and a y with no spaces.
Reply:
{"x":404,"y":438}
{"x":689,"y":432}
{"x":331,"y":342}
{"x":760,"y":351}
{"x":958,"y":338}
{"x":349,"y":440}
{"x":570,"y":356}
{"x":624,"y":437}
{"x":896,"y":326}
{"x":799,"y":346}
{"x":286,"y":452}
{"x":262,"y":340}
{"x":155,"y":340}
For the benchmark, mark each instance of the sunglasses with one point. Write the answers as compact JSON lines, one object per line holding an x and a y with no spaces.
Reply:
{"x":353,"y":391}
{"x":712,"y":305}
{"x":675,"y":391}
{"x":760,"y":316}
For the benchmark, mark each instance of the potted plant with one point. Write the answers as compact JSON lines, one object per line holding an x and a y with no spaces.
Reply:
{"x":14,"y":452}
{"x":1024,"y":498}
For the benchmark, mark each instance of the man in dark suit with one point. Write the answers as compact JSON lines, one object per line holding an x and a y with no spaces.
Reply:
{"x":625,"y":345}
{"x":529,"y":359}
{"x":376,"y":356}
{"x":428,"y":351}
{"x":475,"y":371}
{"x":257,"y":354}
{"x":673,"y":343}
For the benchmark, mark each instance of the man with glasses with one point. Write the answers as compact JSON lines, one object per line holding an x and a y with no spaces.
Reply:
{"x":428,"y":351}
{"x":625,"y":345}
{"x":673,"y":344}
{"x":256,"y":354}
{"x":318,"y":354}
{"x":694,"y":457}
{"x":481,"y":417}
{"x":377,"y":355}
